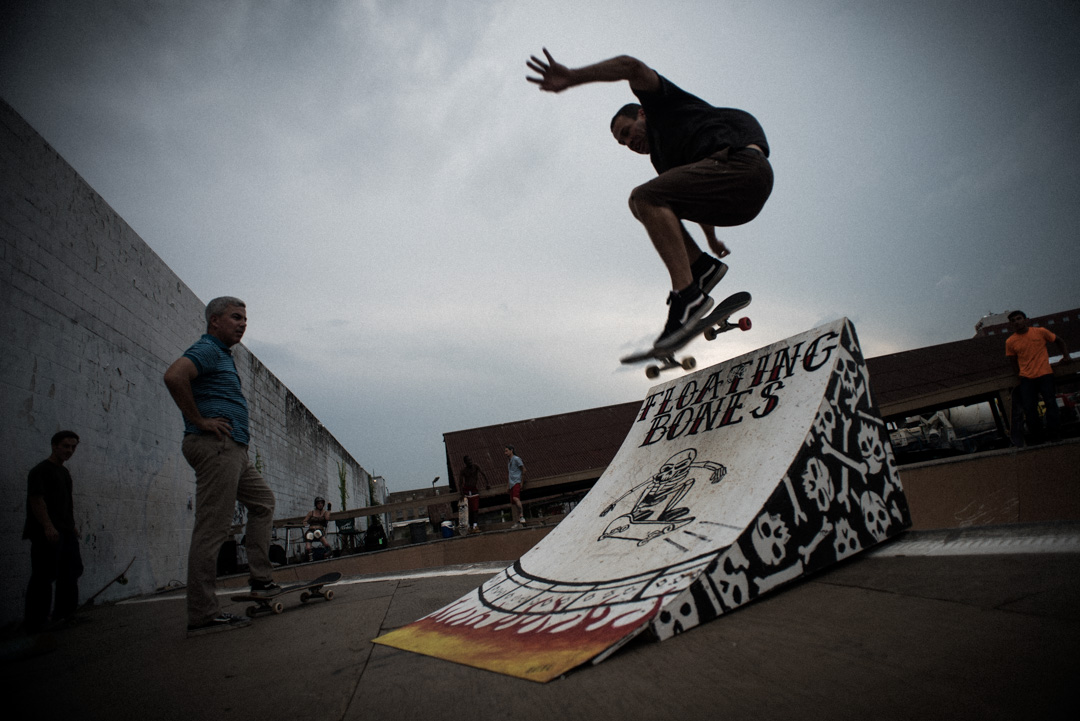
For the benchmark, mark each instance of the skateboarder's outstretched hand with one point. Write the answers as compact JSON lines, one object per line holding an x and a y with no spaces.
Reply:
{"x":555,"y":77}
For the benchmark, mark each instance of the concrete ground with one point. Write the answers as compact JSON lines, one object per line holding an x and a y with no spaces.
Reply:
{"x":934,"y":626}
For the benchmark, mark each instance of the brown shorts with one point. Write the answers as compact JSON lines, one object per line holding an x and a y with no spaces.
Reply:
{"x":515,"y":491}
{"x":727,"y":188}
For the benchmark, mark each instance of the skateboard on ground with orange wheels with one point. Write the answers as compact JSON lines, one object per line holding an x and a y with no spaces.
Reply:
{"x":712,"y":325}
{"x":270,"y":603}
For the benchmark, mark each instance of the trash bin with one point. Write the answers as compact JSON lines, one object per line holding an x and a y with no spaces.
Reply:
{"x":277,"y":555}
{"x":447,"y":529}
{"x":418,"y":532}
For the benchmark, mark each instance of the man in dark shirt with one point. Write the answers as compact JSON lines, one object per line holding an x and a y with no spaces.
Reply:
{"x":54,"y":538}
{"x":713,"y":170}
{"x":470,"y":489}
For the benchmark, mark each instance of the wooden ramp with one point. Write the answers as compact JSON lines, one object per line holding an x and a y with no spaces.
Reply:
{"x":733,"y":481}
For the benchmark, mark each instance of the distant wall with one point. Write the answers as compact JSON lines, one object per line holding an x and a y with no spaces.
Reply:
{"x":1031,"y":485}
{"x":90,"y":317}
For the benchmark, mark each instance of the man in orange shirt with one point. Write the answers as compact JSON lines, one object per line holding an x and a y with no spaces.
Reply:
{"x":1026,"y":346}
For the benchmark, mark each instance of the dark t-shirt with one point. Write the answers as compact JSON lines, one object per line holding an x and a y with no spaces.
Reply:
{"x":53,"y":483}
{"x":469,"y":479}
{"x":684,"y":129}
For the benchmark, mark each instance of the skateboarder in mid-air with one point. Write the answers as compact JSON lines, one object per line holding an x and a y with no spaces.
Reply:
{"x":713,"y":170}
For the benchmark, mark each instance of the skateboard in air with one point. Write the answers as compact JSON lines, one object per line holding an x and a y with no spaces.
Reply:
{"x":269,"y":603}
{"x":712,"y":325}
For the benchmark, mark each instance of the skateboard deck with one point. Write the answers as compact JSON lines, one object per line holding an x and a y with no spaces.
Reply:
{"x":121,"y":579}
{"x":712,"y":325}
{"x":269,"y":603}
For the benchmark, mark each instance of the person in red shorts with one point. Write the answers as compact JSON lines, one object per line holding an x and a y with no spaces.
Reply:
{"x":515,"y":470}
{"x":1026,"y":346}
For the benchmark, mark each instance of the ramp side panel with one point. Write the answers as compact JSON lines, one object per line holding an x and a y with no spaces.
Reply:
{"x":840,"y":496}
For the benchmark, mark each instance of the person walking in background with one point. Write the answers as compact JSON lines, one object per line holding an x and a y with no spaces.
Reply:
{"x":515,"y":471}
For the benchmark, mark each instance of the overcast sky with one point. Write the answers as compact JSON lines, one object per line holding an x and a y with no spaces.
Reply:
{"x":428,"y":243}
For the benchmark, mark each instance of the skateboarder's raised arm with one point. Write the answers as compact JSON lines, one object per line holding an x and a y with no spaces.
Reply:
{"x":554,"y":77}
{"x":715,"y":243}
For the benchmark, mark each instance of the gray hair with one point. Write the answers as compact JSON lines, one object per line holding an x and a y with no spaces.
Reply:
{"x":218,"y":305}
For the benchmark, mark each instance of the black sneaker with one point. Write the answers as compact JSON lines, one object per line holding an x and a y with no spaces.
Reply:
{"x":707,"y":272}
{"x":221,"y":622}
{"x":686,"y":309}
{"x":266,"y":587}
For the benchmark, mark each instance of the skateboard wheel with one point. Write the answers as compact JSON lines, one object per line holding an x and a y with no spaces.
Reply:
{"x":278,"y":607}
{"x":251,"y":611}
{"x":304,"y":596}
{"x":710,"y":334}
{"x":745,"y":324}
{"x":688,"y":363}
{"x":328,"y":595}
{"x":652,"y":372}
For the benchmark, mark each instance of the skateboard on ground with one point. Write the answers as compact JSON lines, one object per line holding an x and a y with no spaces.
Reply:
{"x":712,"y":325}
{"x":121,"y":579}
{"x":268,"y":602}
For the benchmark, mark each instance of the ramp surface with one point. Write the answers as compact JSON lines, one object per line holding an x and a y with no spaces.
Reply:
{"x":733,"y":481}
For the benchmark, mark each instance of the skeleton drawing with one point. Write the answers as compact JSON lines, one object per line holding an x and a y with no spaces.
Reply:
{"x":657,"y":511}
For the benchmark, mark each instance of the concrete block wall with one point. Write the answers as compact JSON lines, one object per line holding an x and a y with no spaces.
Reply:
{"x":90,"y":317}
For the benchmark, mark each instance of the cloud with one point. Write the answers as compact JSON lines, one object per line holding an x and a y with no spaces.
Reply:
{"x":428,"y":243}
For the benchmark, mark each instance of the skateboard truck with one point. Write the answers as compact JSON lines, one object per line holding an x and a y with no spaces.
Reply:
{"x":270,"y":603}
{"x":743,"y":324}
{"x":710,"y":327}
{"x":669,"y":361}
{"x":688,"y":363}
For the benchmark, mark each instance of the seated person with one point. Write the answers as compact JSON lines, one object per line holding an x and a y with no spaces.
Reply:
{"x":315,"y":523}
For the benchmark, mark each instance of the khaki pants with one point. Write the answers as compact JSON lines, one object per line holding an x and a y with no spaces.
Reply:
{"x":223,"y":475}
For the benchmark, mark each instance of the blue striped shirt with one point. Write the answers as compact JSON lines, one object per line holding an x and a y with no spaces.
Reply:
{"x":513,"y":470}
{"x":217,"y":387}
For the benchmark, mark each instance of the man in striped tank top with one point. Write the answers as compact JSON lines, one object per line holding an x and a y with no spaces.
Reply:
{"x":206,"y":388}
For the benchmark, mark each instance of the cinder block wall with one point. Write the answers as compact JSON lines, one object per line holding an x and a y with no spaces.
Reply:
{"x":90,"y":317}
